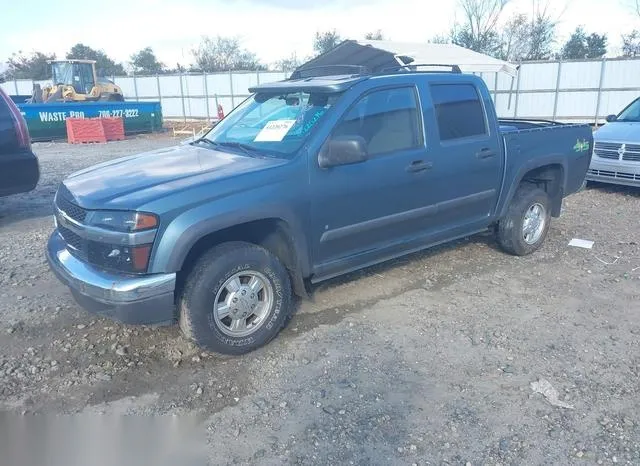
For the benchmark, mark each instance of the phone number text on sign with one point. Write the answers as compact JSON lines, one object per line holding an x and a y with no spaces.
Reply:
{"x":124,"y":113}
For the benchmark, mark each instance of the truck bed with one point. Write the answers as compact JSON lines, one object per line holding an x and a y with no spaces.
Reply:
{"x":528,"y":142}
{"x":515,"y":124}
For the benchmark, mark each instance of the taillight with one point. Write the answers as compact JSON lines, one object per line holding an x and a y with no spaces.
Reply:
{"x":19,"y":124}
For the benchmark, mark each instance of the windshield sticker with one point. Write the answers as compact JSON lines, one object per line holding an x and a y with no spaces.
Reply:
{"x":581,"y":146}
{"x":274,"y":131}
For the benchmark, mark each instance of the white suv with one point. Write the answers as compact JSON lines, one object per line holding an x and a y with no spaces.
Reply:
{"x":616,"y":153}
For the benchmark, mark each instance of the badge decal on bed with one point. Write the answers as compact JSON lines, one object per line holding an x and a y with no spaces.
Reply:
{"x":581,"y":146}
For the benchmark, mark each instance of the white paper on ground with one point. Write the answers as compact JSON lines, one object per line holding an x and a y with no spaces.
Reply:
{"x":581,"y":243}
{"x":274,"y":131}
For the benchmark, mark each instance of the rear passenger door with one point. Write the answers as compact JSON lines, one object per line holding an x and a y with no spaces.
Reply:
{"x":466,"y":154}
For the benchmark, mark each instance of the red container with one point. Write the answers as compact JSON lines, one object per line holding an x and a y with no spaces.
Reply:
{"x":85,"y":130}
{"x":113,"y":128}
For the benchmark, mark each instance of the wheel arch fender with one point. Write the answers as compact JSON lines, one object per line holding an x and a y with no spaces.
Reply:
{"x":539,"y":169}
{"x":186,"y":231}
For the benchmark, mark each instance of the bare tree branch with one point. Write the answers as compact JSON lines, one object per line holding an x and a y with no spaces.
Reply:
{"x":482,"y":15}
{"x":478,"y":28}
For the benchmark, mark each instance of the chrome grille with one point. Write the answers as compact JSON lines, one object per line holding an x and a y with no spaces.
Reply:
{"x":611,"y":150}
{"x":607,"y":150}
{"x":71,"y":210}
{"x":74,"y":242}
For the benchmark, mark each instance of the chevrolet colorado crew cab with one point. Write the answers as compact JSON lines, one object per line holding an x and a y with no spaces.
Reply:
{"x":307,"y":179}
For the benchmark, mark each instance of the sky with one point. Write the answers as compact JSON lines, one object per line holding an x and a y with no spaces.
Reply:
{"x":273,"y":29}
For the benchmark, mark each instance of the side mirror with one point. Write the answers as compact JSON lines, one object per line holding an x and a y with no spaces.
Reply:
{"x":343,"y":150}
{"x":611,"y":118}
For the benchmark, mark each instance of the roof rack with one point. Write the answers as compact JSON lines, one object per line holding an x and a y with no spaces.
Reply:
{"x":413,"y":67}
{"x":329,"y":70}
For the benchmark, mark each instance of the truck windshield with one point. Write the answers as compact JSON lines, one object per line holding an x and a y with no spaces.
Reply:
{"x":273,"y":123}
{"x":631,"y":113}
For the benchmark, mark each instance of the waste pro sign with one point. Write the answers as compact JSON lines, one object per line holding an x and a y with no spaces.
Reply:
{"x":47,"y":121}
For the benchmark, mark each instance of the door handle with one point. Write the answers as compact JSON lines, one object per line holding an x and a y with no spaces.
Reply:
{"x":419,"y":166}
{"x":485,"y":153}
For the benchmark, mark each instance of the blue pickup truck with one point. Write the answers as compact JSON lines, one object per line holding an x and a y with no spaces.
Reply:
{"x":307,"y":179}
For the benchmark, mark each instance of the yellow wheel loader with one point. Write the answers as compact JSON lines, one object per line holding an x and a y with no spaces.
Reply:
{"x":76,"y":81}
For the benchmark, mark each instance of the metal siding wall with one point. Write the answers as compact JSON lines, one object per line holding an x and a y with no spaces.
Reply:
{"x":505,"y":107}
{"x":169,"y":86}
{"x":171,"y":107}
{"x":193,"y":85}
{"x":622,"y":73}
{"x":219,"y":83}
{"x":147,"y":87}
{"x":577,"y":105}
{"x":536,"y":76}
{"x":534,"y":90}
{"x":539,"y":104}
{"x":612,"y":102}
{"x":242,"y":82}
{"x":126,"y":83}
{"x":580,"y":75}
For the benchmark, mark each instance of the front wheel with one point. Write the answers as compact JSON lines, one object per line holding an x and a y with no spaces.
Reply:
{"x":525,"y":226}
{"x":236,"y":299}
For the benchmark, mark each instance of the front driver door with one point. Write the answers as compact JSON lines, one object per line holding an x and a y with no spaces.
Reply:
{"x":358,"y":211}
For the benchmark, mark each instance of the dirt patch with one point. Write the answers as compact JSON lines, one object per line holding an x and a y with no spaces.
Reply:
{"x":427,"y":359}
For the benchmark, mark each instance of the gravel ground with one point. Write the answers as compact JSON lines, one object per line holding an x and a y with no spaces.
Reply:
{"x":432,"y":359}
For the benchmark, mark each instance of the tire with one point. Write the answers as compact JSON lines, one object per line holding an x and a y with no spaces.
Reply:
{"x":260,"y":315}
{"x":510,"y":232}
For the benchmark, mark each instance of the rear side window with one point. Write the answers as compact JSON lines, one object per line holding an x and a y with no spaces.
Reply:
{"x":459,"y":111}
{"x":388,"y":120}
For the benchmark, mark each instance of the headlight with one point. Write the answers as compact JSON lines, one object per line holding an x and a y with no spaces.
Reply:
{"x":125,"y":258}
{"x":126,"y":222}
{"x":130,"y":259}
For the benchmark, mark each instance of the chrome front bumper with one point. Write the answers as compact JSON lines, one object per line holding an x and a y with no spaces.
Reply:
{"x":147,"y":299}
{"x":615,"y":172}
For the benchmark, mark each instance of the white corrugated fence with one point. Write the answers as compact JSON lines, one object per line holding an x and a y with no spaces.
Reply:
{"x":577,"y":91}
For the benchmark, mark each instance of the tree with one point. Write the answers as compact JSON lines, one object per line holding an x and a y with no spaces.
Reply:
{"x":478,"y":29}
{"x":581,"y":46}
{"x":516,"y":38}
{"x":543,"y":37}
{"x":377,"y":35}
{"x":224,"y":54}
{"x":33,"y":66}
{"x":105,"y":66}
{"x":288,"y":64}
{"x":145,"y":62}
{"x":325,"y":41}
{"x":596,"y":45}
{"x":631,"y":44}
{"x":523,"y":39}
{"x":439,"y":39}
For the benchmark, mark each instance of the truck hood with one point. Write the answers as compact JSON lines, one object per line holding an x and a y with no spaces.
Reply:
{"x":132,"y":181}
{"x":619,"y":131}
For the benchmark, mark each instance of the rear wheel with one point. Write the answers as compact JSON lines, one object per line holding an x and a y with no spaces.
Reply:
{"x":236,"y":299}
{"x":523,"y":230}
